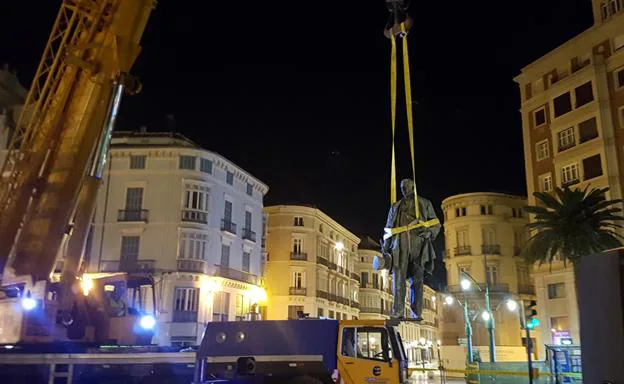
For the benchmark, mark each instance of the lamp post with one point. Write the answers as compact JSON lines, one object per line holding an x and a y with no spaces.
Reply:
{"x":448,"y":300}
{"x":487,"y":315}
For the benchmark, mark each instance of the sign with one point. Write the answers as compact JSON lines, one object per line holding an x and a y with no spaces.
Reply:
{"x":562,"y":338}
{"x":462,"y":341}
{"x":376,"y":370}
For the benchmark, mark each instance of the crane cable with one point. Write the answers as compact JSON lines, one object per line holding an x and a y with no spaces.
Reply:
{"x":389,"y":232}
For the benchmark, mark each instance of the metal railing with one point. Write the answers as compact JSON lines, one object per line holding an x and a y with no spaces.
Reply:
{"x":299,"y":256}
{"x":490,"y":249}
{"x":355,"y":304}
{"x":322,"y":294}
{"x":129,"y":266}
{"x":184,"y":317}
{"x":132,"y":215}
{"x":298,"y":291}
{"x":248,"y":234}
{"x":570,"y":182}
{"x":192,"y":216}
{"x":369,"y":310}
{"x":463,"y":250}
{"x":228,"y":226}
{"x":332,"y":297}
{"x":340,"y":270}
{"x":322,"y":261}
{"x":235,"y":274}
{"x":333,"y":266}
{"x":198,"y":266}
{"x":526,"y":289}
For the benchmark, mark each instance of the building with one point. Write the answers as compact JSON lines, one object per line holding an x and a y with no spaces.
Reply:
{"x":311,"y":265}
{"x":376,"y":299}
{"x":188,"y":217}
{"x":484,"y":233}
{"x":12,"y":97}
{"x":572,"y":106}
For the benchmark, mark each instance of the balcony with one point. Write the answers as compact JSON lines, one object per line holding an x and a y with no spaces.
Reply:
{"x":235,"y":274}
{"x":340,"y":270}
{"x":322,"y":294}
{"x":192,"y":216}
{"x":298,"y":256}
{"x":322,"y":261}
{"x":184,"y":317}
{"x":526,"y":289}
{"x":132,"y":215}
{"x":248,"y":234}
{"x":490,"y":249}
{"x":355,"y":304}
{"x":355,"y":276}
{"x":332,"y":297}
{"x":463,"y":250}
{"x":569,"y":183}
{"x":342,"y":300}
{"x":333,"y":266}
{"x":197,"y":266}
{"x":369,"y":310}
{"x":297,"y":291}
{"x":228,"y":226}
{"x":129,"y":266}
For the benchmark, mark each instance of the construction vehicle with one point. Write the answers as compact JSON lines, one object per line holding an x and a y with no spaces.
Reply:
{"x":50,"y":177}
{"x":306,"y":351}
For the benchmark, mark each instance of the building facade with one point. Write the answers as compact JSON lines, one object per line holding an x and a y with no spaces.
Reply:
{"x":12,"y":97}
{"x":311,"y":265}
{"x":484,"y":233}
{"x":572,"y":106}
{"x":376,"y":299}
{"x":188,"y":217}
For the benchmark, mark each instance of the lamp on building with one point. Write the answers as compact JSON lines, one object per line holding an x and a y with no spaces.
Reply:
{"x":465,"y":284}
{"x":448,"y":300}
{"x":339,"y":246}
{"x":257,"y":295}
{"x":211,"y":286}
{"x":512,"y":305}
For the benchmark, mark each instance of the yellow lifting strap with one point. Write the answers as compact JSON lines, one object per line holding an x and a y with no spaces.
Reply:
{"x":389,"y":232}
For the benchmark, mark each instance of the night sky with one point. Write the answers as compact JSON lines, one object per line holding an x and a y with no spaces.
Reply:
{"x":297,"y":92}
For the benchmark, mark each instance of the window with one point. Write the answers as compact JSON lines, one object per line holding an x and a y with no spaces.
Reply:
{"x":227,"y":211}
{"x":560,"y":323}
{"x":539,"y":117}
{"x":298,"y":280}
{"x":562,"y":104}
{"x":205,"y":165}
{"x":225,"y":255}
{"x":297,"y":246}
{"x":523,"y":275}
{"x":619,"y":79}
{"x":487,"y":210}
{"x":320,"y":312}
{"x":489,"y":236}
{"x":294,"y":310}
{"x":246,"y":261}
{"x":618,"y":41}
{"x":588,"y":130}
{"x":134,"y":199}
{"x":516,"y":212}
{"x":492,"y":274}
{"x":604,"y":11}
{"x":584,"y":94}
{"x":375,"y":280}
{"x":221,"y":306}
{"x":542,"y":150}
{"x":193,"y":246}
{"x":243,"y":305}
{"x":196,"y":197}
{"x":247,"y":220}
{"x":556,"y":291}
{"x":137,"y":162}
{"x":566,"y":139}
{"x":298,"y":221}
{"x":249,"y":189}
{"x":364,"y":279}
{"x":129,"y":249}
{"x":570,"y":174}
{"x":229,"y":178}
{"x":546,"y":183}
{"x":331,"y":314}
{"x":592,"y":167}
{"x":460,"y":212}
{"x":614,"y":6}
{"x":372,"y":343}
{"x":187,"y":162}
{"x":185,"y":305}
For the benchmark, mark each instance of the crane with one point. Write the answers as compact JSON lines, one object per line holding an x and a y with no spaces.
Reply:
{"x":55,"y":161}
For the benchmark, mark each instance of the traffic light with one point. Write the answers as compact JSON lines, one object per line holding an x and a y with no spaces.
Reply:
{"x":531,"y":315}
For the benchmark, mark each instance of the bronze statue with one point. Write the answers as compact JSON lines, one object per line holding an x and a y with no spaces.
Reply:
{"x":397,"y":15}
{"x":409,"y":254}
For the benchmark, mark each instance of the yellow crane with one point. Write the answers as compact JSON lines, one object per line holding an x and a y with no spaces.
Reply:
{"x":55,"y":160}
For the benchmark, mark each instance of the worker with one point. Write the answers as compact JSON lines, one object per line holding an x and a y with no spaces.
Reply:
{"x":116,"y":302}
{"x":398,"y":14}
{"x":408,"y":255}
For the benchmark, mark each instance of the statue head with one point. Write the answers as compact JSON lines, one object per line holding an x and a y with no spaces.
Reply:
{"x":407,"y":187}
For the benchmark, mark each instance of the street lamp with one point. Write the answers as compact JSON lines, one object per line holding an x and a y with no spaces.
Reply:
{"x":485,"y":315}
{"x":449,"y":300}
{"x":512,"y":305}
{"x":466,"y":283}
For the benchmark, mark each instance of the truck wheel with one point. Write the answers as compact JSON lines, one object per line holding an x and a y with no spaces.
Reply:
{"x":305,"y":380}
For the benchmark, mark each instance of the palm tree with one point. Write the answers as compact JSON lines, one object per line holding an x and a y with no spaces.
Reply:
{"x":572,"y":224}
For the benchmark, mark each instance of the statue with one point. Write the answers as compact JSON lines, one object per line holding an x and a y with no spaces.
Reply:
{"x":397,"y":14}
{"x":409,"y":254}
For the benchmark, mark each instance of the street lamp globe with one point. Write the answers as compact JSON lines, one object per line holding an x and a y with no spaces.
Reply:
{"x":512,"y":305}
{"x":448,"y":300}
{"x":485,"y":316}
{"x":465,"y":284}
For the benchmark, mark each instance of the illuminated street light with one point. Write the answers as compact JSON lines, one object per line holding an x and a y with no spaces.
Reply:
{"x":86,"y":284}
{"x":433,"y":299}
{"x":465,"y":284}
{"x":512,"y":305}
{"x":485,"y":316}
{"x":28,"y":303}
{"x":448,"y":300}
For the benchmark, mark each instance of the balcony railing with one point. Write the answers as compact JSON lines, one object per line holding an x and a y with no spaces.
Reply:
{"x":570,"y":182}
{"x":132,"y":215}
{"x":526,"y":289}
{"x":198,"y":266}
{"x":355,"y":304}
{"x":248,"y":234}
{"x":235,"y":274}
{"x":342,"y":300}
{"x":295,"y":291}
{"x":333,"y":266}
{"x":133,"y":266}
{"x":184,"y":317}
{"x":490,"y":249}
{"x":332,"y":297}
{"x":192,"y":216}
{"x":299,"y":256}
{"x":340,"y":270}
{"x":322,"y":294}
{"x":355,"y":276}
{"x":322,"y":261}
{"x":228,"y":226}
{"x":369,"y":310}
{"x":463,"y":250}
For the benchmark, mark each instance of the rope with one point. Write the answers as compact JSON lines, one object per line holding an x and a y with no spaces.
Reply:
{"x":393,"y":91}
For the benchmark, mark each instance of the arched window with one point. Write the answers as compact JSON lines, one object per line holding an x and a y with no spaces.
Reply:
{"x":604,"y":11}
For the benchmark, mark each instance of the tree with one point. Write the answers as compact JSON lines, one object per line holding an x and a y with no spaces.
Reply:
{"x":572,"y":224}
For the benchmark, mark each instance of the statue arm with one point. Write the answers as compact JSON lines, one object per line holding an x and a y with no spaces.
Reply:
{"x":387,"y":243}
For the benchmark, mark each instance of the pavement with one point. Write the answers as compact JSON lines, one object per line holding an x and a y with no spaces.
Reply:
{"x":433,"y":378}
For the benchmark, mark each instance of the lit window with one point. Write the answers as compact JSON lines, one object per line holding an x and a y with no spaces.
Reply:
{"x":566,"y":139}
{"x":542,"y":150}
{"x":546,"y":183}
{"x":570,"y":174}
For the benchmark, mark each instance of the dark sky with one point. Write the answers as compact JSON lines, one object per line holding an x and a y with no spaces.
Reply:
{"x":297,"y":92}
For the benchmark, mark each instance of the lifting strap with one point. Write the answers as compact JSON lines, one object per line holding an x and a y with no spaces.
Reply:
{"x":389,"y":232}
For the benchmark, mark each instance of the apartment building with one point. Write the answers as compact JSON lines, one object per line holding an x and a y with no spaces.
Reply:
{"x":484,"y":233}
{"x":572,"y":106}
{"x":376,"y":298}
{"x":187,"y":217}
{"x":12,"y":97}
{"x":310,"y":265}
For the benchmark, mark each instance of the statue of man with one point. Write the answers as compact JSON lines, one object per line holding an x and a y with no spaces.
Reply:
{"x":408,"y":255}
